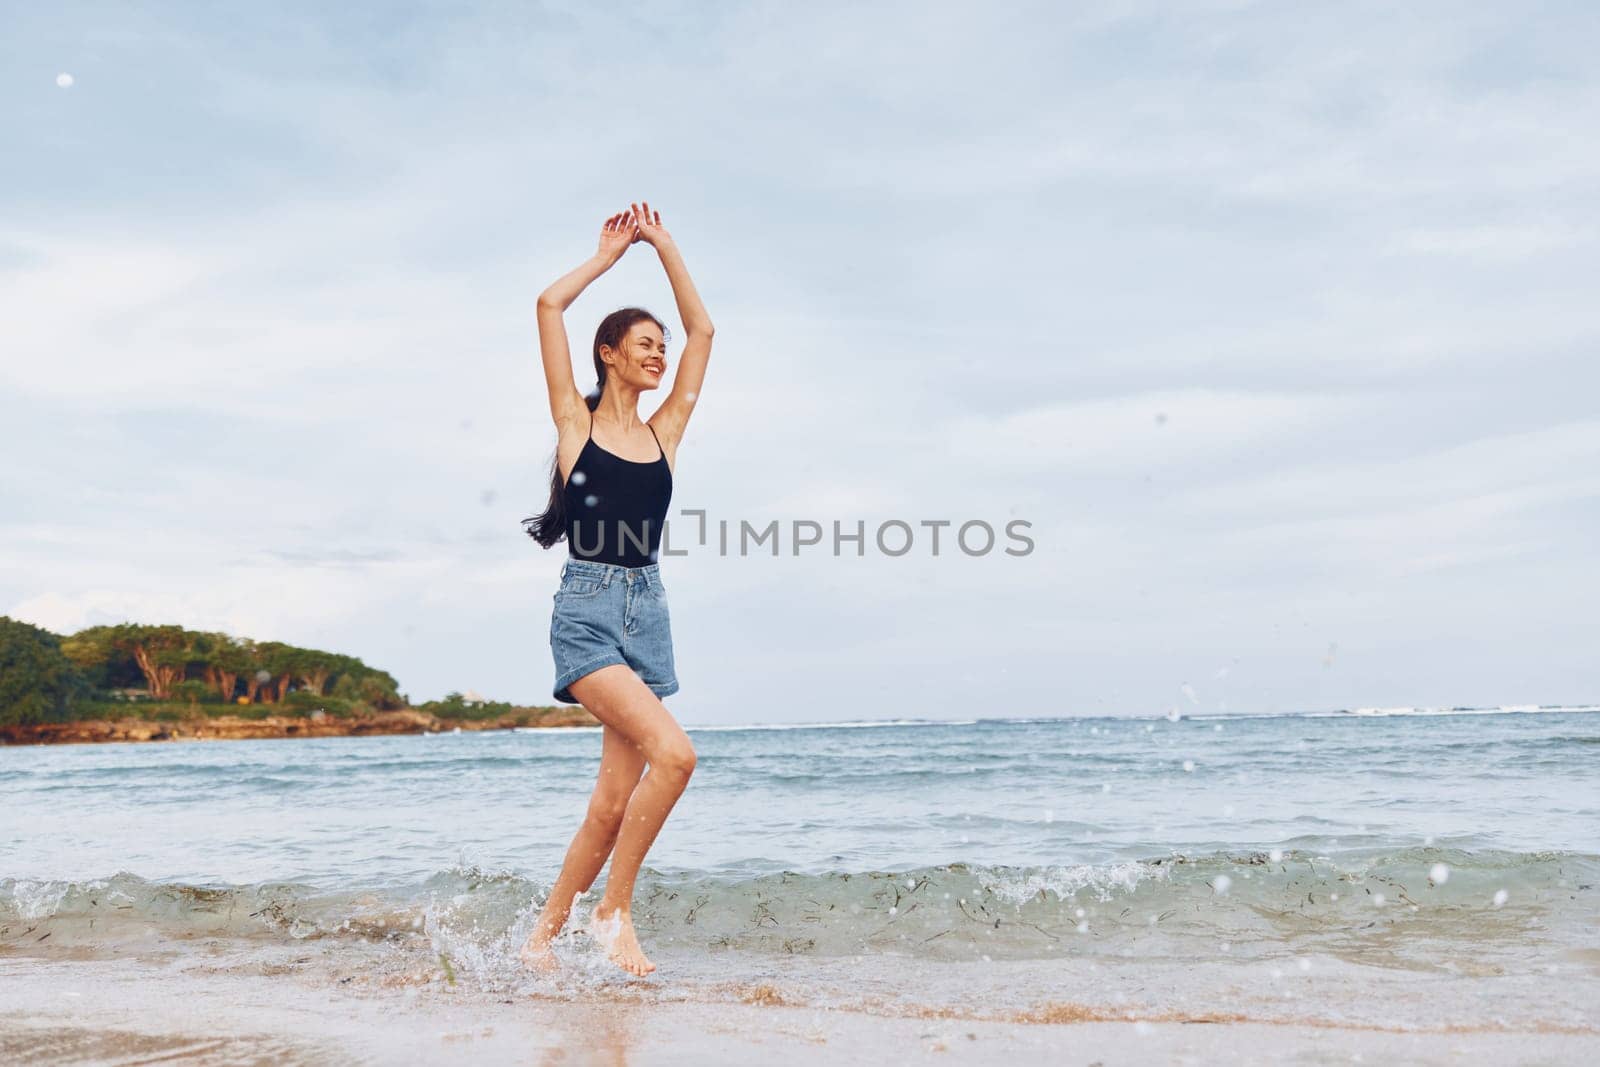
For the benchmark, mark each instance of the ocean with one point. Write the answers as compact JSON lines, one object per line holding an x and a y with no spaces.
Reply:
{"x":1395,"y":868}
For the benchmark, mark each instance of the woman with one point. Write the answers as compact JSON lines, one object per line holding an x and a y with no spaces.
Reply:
{"x":610,"y":633}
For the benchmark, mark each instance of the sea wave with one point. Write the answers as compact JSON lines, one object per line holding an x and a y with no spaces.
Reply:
{"x":1499,"y":709}
{"x":1169,"y":716}
{"x":843,"y":724}
{"x":1256,"y":902}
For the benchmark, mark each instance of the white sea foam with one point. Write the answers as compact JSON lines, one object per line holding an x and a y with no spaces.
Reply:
{"x":1019,"y":886}
{"x":853,"y":724}
{"x":36,"y":898}
{"x":1166,"y":716}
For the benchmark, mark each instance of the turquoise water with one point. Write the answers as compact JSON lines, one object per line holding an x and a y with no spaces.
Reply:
{"x":1402,"y":840}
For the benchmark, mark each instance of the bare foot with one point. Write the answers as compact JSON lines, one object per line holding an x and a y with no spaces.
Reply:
{"x":615,"y":934}
{"x":536,"y":955}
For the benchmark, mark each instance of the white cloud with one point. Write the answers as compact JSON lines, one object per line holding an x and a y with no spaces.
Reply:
{"x":1491,"y":243}
{"x":1549,"y":463}
{"x":1119,"y":434}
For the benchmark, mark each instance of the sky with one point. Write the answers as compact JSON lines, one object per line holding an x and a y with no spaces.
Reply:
{"x":1268,"y":321}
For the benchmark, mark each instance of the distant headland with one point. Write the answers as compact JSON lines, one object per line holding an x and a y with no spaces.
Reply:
{"x":138,"y":682}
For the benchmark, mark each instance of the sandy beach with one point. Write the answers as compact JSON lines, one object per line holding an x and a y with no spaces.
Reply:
{"x":125,"y":1012}
{"x":222,"y":1003}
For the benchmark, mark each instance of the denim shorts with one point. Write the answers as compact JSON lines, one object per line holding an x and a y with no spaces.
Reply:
{"x":607,"y":614}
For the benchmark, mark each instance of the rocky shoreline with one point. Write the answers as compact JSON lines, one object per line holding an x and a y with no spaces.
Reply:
{"x":234,"y":728}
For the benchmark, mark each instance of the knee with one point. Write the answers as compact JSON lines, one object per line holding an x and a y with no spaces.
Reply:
{"x":606,"y":811}
{"x":676,"y":758}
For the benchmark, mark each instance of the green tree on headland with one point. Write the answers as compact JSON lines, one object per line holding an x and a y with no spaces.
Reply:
{"x":38,"y":683}
{"x":365,"y":685}
{"x":280,"y":661}
{"x":255,"y":676}
{"x":41,"y":673}
{"x":221,"y":660}
{"x":315,"y":668}
{"x":95,"y":654}
{"x":190,"y":691}
{"x":160,"y":652}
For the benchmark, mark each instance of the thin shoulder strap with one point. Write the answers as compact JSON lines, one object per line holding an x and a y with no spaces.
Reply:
{"x":658,"y":441}
{"x":591,"y":425}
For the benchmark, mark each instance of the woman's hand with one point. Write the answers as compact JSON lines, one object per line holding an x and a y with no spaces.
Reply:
{"x":619,"y":231}
{"x":651,"y":231}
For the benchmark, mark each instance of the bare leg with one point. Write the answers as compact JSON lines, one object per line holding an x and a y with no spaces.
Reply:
{"x":617,"y":697}
{"x":621,"y":764}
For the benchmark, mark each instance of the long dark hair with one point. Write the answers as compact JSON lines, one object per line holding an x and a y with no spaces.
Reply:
{"x":551,"y":527}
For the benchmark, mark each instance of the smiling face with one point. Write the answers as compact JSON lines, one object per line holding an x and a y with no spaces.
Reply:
{"x":642,"y":361}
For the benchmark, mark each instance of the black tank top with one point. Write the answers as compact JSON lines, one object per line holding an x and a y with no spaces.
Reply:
{"x":616,"y":508}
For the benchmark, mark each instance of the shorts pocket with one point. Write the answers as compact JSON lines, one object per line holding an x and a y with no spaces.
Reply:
{"x":579,"y":586}
{"x":657,"y":613}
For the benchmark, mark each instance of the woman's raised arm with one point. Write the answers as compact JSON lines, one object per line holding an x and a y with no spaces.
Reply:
{"x":679,"y":404}
{"x":619,"y":231}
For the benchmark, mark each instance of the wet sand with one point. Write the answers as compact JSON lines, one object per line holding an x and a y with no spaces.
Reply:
{"x":132,"y":1010}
